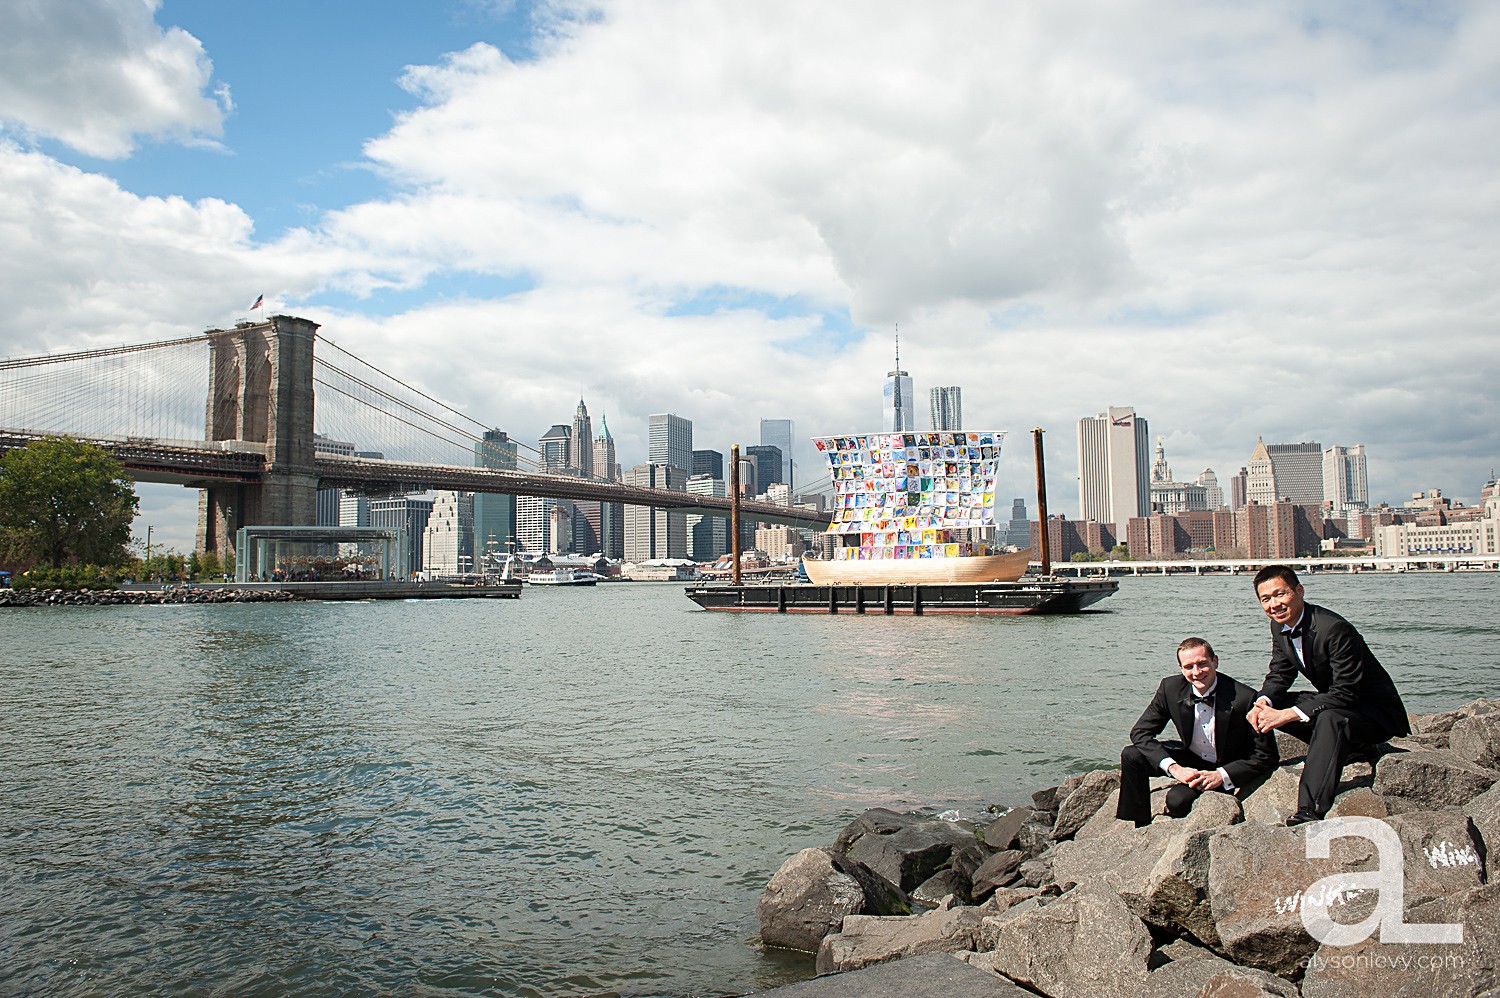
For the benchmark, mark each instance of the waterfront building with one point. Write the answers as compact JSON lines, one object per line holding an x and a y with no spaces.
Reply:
{"x":354,"y":510}
{"x":1346,"y":483}
{"x":670,"y":441}
{"x":1238,"y":488}
{"x":605,"y":466}
{"x":612,"y":530}
{"x":779,"y":543}
{"x":650,"y":532}
{"x":409,"y":513}
{"x":1479,"y":536}
{"x":556,"y":446}
{"x":769,"y":467}
{"x":946,"y":407}
{"x":534,"y":524}
{"x":588,"y":526}
{"x":1212,"y":494}
{"x":1260,"y":485}
{"x":897,"y":401}
{"x":1168,"y":496}
{"x":494,"y":514}
{"x":778,"y":433}
{"x":448,"y":541}
{"x":1113,"y":481}
{"x":1065,"y":538}
{"x":583,"y":432}
{"x":1285,"y":471}
{"x":1018,"y":527}
{"x":708,"y":462}
{"x":708,"y":536}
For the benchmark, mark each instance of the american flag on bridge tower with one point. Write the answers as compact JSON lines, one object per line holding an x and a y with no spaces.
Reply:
{"x":259,"y":300}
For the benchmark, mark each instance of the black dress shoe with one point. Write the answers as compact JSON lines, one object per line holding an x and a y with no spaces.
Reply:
{"x":1300,"y":818}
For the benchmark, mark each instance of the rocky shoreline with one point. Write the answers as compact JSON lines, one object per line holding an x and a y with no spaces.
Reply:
{"x":137,"y":597}
{"x":1064,"y":900}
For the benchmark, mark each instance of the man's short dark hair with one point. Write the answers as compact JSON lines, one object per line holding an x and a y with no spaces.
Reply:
{"x":1194,"y":643}
{"x":1282,"y":572}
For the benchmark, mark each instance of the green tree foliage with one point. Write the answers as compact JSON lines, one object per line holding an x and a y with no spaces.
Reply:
{"x":62,"y":500}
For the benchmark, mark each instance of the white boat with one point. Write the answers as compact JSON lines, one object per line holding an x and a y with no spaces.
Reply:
{"x":907,"y":506}
{"x":565,"y":576}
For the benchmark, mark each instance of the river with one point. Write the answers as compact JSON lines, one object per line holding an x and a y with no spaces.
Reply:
{"x":582,"y":792}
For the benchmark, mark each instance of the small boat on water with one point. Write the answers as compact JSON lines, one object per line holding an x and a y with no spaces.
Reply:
{"x":565,"y":576}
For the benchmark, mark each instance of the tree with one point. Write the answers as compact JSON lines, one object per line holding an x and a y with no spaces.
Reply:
{"x":64,"y":500}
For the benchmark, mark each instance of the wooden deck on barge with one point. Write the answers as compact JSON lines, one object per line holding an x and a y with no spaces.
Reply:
{"x":1036,"y":596}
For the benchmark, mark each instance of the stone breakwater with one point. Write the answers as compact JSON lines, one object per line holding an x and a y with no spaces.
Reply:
{"x":134,"y":597}
{"x":1065,"y":900}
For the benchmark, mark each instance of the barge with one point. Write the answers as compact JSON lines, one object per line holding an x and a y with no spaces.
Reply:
{"x":1028,"y":596}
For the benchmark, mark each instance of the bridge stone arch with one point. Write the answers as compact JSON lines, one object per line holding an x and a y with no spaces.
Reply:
{"x":260,"y":392}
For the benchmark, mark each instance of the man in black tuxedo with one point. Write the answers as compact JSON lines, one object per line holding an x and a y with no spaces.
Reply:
{"x":1356,"y":703}
{"x":1217,"y":749}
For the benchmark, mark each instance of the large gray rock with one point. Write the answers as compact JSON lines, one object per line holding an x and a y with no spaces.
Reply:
{"x":1439,"y":851}
{"x":1417,"y":970}
{"x":1176,"y":893}
{"x":1104,"y":822}
{"x":867,"y":940}
{"x":1205,"y":975}
{"x":1273,"y":800}
{"x":930,"y":974}
{"x":1432,"y":778}
{"x":806,"y":900}
{"x":1050,"y":798}
{"x":907,"y":849}
{"x":1084,"y":802}
{"x":1000,"y":834}
{"x":997,"y":871}
{"x":1257,"y":877}
{"x":1084,"y":943}
{"x":1443,"y":721}
{"x":1121,"y":862}
{"x":1484,"y":812}
{"x":1477,"y":739}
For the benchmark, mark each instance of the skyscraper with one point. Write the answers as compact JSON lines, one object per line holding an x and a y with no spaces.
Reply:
{"x":408,"y":513}
{"x":1286,"y":471}
{"x":708,"y":462}
{"x":1345,"y":478}
{"x":1212,"y":493}
{"x":556,"y":446}
{"x":1113,"y":479}
{"x":448,"y":542}
{"x":769,"y":467}
{"x":494,"y":515}
{"x":670,"y":441}
{"x":707,"y":536}
{"x":651,"y":532}
{"x":778,"y":433}
{"x":897,"y":400}
{"x":583,"y":433}
{"x":947,"y":406}
{"x":604,"y":453}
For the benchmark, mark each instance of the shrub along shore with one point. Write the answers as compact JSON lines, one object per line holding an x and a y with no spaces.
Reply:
{"x":1065,"y":900}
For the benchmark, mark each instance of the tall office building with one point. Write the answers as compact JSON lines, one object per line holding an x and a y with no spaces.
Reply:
{"x":1239,"y":487}
{"x":354,"y":510}
{"x":583,"y":432}
{"x":1211,"y":490}
{"x":708,"y":536}
{"x":651,"y":532}
{"x":534,"y":524}
{"x":556,"y":446}
{"x":670,"y":441}
{"x":604,"y":453}
{"x":1286,"y":471}
{"x":708,"y":462}
{"x":947,"y":408}
{"x":1161,"y":471}
{"x":897,"y":401}
{"x":1113,"y":477}
{"x":448,"y":541}
{"x":1260,"y":483}
{"x":494,"y":515}
{"x":769,"y":467}
{"x":409,"y":513}
{"x":1017,"y":532}
{"x":778,"y":433}
{"x":1345,"y":478}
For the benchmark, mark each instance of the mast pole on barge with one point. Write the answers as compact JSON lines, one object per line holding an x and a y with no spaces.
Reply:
{"x":1041,"y":504}
{"x":734,"y":508}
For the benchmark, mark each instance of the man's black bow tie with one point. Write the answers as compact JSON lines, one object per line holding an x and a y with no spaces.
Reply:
{"x":1197,"y":699}
{"x":1296,"y":632}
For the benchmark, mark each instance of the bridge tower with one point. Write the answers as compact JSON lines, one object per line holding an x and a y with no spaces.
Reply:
{"x":260,"y":390}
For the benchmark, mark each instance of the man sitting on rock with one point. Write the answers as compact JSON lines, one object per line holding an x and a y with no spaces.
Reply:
{"x":1355,"y":705}
{"x":1216,"y":748}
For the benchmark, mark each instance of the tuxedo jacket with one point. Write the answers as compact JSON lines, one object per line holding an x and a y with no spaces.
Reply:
{"x":1340,"y":667}
{"x":1243,"y":754}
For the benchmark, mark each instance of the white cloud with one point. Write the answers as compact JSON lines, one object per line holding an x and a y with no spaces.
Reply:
{"x":95,"y":74}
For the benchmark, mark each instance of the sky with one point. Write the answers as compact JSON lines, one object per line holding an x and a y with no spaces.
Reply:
{"x":1246,"y":220}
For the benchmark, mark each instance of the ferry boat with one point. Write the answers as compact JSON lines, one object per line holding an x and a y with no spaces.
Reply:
{"x":907,"y":507}
{"x":564,"y":576}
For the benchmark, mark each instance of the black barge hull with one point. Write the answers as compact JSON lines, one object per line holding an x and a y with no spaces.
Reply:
{"x":1012,"y":598}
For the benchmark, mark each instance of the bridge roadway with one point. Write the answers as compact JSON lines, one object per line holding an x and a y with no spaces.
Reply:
{"x":197,"y":463}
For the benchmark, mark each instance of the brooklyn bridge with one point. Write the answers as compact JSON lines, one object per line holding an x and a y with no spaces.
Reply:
{"x":236,"y":413}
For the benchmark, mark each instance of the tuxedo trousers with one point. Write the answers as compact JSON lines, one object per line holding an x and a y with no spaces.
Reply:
{"x":1331,"y":735}
{"x":1135,"y":783}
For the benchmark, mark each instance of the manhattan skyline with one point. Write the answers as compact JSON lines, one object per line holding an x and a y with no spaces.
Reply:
{"x":1240,"y":222}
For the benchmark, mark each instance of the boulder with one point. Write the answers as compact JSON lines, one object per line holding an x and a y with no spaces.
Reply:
{"x":1432,"y":778}
{"x":1176,"y":893}
{"x":867,"y":940}
{"x":1289,"y":747}
{"x":1443,"y":721}
{"x":1484,"y":812}
{"x":1257,"y":877}
{"x":1273,"y":800}
{"x":806,"y":900}
{"x":1477,"y":739}
{"x":1084,"y":802}
{"x":1359,"y":802}
{"x":1050,"y":798}
{"x":1202,"y":974}
{"x":996,"y":871}
{"x":1416,"y":970}
{"x":1439,"y":851}
{"x":1122,"y":862}
{"x":946,"y":885}
{"x":1036,"y":835}
{"x":1084,"y":943}
{"x":1104,"y":821}
{"x":1000,"y":834}
{"x":907,"y":849}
